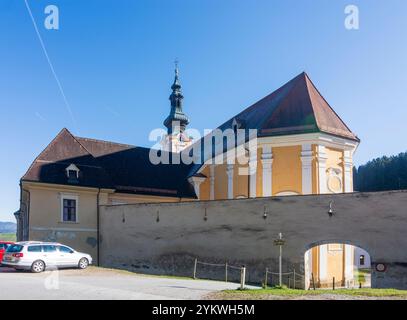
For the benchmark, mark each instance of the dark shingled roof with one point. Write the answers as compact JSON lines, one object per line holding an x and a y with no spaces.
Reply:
{"x":296,"y":107}
{"x":104,"y":164}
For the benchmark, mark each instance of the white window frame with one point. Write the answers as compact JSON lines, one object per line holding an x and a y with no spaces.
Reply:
{"x":72,"y":167}
{"x":68,"y":196}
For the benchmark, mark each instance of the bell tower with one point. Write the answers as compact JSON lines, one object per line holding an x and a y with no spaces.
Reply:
{"x":176,"y":139}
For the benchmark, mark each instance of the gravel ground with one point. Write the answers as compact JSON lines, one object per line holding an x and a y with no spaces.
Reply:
{"x":104,"y":284}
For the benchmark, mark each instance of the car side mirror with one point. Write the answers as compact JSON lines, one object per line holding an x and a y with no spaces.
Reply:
{"x":71,"y":252}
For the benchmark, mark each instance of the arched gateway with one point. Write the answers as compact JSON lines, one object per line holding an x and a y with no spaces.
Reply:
{"x":336,"y":264}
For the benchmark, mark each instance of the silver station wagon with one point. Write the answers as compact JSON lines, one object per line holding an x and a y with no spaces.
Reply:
{"x":38,"y":256}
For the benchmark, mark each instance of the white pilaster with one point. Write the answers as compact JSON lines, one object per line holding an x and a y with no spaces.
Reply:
{"x":267,"y":163}
{"x":196,"y":183}
{"x":253,"y":173}
{"x":323,"y":262}
{"x":306,"y":160}
{"x":307,"y":267}
{"x":212,"y":182}
{"x":322,"y":180}
{"x":348,"y":165}
{"x":349,"y":254}
{"x":229,"y":172}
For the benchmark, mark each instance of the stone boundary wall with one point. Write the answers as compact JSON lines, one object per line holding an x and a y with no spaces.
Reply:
{"x":165,"y":238}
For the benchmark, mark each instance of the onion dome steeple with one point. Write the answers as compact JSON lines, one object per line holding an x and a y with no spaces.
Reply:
{"x":176,"y":120}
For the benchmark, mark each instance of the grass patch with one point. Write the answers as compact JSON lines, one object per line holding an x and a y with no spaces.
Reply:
{"x":263,"y":293}
{"x":8,"y":236}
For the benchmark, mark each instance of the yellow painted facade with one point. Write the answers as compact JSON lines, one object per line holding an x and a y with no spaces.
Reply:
{"x":204,"y":189}
{"x":287,"y":176}
{"x":240,"y":180}
{"x":221,"y":186}
{"x":332,"y":258}
{"x":336,"y":263}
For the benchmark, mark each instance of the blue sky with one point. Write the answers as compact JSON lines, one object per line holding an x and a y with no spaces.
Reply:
{"x":114,"y":59}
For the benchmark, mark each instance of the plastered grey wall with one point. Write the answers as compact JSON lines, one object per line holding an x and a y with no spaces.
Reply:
{"x":166,"y":238}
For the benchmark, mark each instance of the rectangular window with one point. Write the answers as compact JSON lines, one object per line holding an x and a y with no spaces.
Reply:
{"x":49,"y":248}
{"x":72,"y":174}
{"x":34,"y":249}
{"x":69,"y":213}
{"x":65,"y":249}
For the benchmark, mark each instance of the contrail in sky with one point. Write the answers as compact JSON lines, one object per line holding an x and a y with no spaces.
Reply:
{"x":68,"y":107}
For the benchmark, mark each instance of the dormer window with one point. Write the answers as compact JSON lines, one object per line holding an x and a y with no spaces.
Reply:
{"x":72,"y":172}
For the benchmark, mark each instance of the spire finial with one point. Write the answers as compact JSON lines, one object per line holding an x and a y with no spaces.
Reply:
{"x":176,"y":97}
{"x":176,"y":66}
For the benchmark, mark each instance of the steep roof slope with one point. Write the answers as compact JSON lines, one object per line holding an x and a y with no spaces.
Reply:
{"x":65,"y":149}
{"x":296,"y":107}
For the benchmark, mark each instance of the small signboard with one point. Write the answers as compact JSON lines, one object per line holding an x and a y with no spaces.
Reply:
{"x":279,"y":242}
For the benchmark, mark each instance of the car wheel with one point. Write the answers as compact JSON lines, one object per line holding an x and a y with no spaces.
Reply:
{"x":38,"y":266}
{"x":83,"y":263}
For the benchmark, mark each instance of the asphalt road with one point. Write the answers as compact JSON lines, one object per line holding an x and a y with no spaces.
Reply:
{"x":103,"y":284}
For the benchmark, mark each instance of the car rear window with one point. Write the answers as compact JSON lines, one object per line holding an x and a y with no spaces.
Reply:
{"x":3,"y":246}
{"x":49,"y":248}
{"x":15,"y":248}
{"x":34,"y":249}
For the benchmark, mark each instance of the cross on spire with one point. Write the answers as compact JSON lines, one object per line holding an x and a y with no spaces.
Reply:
{"x":176,"y":66}
{"x":176,"y":118}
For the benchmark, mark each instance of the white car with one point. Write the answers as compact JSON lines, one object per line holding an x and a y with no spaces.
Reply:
{"x":37,"y":256}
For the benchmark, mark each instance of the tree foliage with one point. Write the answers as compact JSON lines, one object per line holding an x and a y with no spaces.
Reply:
{"x":385,"y":173}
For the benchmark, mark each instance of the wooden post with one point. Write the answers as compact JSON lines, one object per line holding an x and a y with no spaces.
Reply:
{"x":242,"y":277}
{"x":266,"y":279}
{"x":294,"y":278}
{"x":288,"y":282}
{"x":333,"y":283}
{"x":313,"y":280}
{"x":226,"y":272}
{"x":196,"y":261}
{"x":280,"y":266}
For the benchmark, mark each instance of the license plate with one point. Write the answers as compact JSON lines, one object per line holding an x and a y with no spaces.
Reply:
{"x":7,"y":258}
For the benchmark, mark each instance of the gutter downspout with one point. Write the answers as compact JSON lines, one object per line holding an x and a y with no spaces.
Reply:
{"x":98,"y":227}
{"x":27,"y":213}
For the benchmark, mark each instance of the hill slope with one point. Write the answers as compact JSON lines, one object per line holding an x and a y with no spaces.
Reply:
{"x":8,"y":227}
